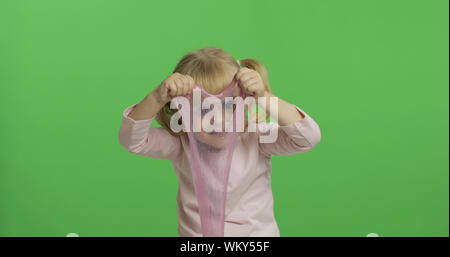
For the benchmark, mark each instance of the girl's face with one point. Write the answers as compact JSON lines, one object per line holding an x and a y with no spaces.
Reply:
{"x":218,"y":140}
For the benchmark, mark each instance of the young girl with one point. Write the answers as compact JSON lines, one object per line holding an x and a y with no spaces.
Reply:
{"x":249,"y":200}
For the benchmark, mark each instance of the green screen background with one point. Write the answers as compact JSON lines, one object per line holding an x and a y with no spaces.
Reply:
{"x":372,"y":74}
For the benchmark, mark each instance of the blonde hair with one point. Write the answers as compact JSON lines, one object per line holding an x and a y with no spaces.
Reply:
{"x":212,"y":68}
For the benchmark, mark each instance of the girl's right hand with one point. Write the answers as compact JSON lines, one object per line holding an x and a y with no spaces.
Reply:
{"x":175,"y":85}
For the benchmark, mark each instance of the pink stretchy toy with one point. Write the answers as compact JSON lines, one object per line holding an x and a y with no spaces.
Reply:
{"x":210,"y":165}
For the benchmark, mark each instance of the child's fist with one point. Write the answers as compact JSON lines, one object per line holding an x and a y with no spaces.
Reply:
{"x":175,"y":85}
{"x":251,"y":82}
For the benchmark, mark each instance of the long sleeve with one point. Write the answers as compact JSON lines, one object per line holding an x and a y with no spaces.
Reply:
{"x":298,"y":137}
{"x":141,"y":138}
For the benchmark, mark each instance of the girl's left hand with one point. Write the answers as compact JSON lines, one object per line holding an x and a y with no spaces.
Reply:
{"x":251,"y":82}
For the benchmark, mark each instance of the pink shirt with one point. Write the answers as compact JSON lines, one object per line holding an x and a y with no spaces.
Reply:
{"x":249,"y":206}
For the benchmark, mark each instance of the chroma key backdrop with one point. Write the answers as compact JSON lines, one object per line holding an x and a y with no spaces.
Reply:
{"x":372,"y":74}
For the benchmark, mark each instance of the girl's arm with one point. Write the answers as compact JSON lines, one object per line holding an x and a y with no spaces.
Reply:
{"x":297,"y":132}
{"x":141,"y":138}
{"x":287,"y":113}
{"x":175,"y":85}
{"x":138,"y":136}
{"x":147,"y":108}
{"x":300,"y":136}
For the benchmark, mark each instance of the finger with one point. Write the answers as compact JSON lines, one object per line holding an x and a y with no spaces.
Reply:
{"x":173,"y":76}
{"x":191,"y":84}
{"x":189,"y":77}
{"x":246,"y":90}
{"x":176,"y":75}
{"x":172,"y":89}
{"x":241,"y":72}
{"x":245,"y":77}
{"x":250,"y":81}
{"x":253,"y":87}
{"x":248,"y":76}
{"x":179,"y":85}
{"x":185,"y":86}
{"x":245,"y":86}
